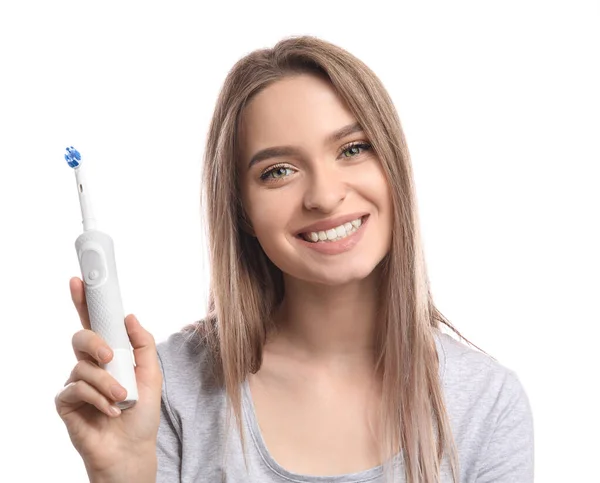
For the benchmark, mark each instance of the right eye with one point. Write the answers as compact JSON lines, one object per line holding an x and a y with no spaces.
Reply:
{"x":275,"y":173}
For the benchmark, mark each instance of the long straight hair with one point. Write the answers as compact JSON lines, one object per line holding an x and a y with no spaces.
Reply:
{"x":246,"y":286}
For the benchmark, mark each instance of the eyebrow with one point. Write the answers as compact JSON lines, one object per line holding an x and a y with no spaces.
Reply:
{"x":277,"y":151}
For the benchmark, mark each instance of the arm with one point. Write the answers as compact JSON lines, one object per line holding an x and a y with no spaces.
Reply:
{"x":168,"y":444}
{"x":510,"y":454}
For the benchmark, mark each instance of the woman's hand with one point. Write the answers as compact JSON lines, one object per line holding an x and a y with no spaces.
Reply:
{"x":118,"y":446}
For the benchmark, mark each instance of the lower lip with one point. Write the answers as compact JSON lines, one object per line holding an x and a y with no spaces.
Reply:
{"x":340,"y":246}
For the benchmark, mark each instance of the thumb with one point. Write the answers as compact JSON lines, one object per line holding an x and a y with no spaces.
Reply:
{"x":144,"y":347}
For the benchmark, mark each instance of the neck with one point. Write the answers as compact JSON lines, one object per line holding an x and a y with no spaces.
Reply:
{"x":329,"y":324}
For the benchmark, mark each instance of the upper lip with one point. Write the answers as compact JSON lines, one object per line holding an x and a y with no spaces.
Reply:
{"x":330,"y":223}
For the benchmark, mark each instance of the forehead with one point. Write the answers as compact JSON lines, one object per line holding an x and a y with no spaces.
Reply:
{"x":299,"y":110}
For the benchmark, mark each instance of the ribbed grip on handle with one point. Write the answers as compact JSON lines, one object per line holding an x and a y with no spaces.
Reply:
{"x":95,"y":251}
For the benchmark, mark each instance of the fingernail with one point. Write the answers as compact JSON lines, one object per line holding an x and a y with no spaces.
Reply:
{"x":114,"y":410}
{"x":103,"y":353}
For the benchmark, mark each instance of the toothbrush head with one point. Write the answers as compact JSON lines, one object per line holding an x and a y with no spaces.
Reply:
{"x":73,"y":157}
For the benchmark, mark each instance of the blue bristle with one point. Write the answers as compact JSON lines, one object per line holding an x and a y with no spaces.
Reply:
{"x":72,"y":157}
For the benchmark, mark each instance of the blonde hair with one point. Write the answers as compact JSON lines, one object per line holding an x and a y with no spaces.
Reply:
{"x":246,"y":286}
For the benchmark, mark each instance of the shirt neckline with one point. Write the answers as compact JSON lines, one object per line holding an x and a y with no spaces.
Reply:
{"x":363,"y":476}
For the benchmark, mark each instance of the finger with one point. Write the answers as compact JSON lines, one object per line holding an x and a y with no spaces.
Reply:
{"x":144,"y":347}
{"x":78,"y":393}
{"x":98,"y":378}
{"x":78,"y":298}
{"x":88,"y":345}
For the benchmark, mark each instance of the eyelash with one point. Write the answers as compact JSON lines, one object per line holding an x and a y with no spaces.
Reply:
{"x":264,"y":176}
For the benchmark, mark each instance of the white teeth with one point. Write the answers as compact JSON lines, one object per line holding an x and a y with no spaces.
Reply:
{"x":336,"y":233}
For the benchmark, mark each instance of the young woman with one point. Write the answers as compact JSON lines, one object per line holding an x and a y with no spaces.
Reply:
{"x":322,"y":339}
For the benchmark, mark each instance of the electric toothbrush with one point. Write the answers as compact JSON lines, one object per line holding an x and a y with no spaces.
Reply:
{"x":95,"y":251}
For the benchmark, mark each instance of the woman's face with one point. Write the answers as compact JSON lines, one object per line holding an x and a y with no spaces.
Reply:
{"x":300,"y":184}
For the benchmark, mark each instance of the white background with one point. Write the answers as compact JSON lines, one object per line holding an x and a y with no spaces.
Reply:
{"x":500,"y":106}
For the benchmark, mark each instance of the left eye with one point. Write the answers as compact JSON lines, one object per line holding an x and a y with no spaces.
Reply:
{"x":355,"y":149}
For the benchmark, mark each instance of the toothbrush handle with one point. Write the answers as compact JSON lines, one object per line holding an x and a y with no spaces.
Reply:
{"x":95,"y":251}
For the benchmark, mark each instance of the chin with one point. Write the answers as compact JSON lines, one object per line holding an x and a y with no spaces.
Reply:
{"x":323,"y":276}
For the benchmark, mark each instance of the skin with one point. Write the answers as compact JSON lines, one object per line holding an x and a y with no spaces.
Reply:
{"x":316,"y":391}
{"x":114,"y":447}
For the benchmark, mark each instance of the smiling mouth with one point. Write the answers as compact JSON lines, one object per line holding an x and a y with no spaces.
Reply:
{"x":334,"y":234}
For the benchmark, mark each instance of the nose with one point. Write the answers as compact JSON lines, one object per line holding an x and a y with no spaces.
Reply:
{"x":325,"y":190}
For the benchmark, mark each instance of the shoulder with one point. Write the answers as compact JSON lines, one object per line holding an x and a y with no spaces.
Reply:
{"x":474,"y":373}
{"x":181,"y":349}
{"x":470,"y":374}
{"x":486,"y":401}
{"x":187,"y":364}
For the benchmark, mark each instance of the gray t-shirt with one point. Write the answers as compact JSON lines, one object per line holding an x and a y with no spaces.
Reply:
{"x":489,"y":412}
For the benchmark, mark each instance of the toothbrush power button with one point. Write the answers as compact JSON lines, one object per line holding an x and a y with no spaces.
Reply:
{"x":93,"y":267}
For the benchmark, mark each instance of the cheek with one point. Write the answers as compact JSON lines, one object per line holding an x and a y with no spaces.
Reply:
{"x":269,"y":214}
{"x":270,"y":220}
{"x":374,"y":186}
